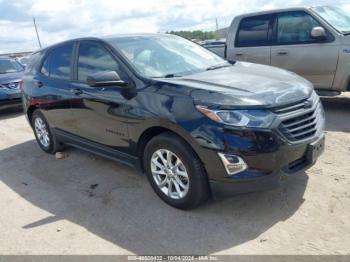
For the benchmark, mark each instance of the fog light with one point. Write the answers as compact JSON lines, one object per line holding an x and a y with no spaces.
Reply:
{"x":233,"y":164}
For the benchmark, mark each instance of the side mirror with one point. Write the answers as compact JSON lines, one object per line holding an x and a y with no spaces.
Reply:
{"x":318,"y":32}
{"x":106,"y":78}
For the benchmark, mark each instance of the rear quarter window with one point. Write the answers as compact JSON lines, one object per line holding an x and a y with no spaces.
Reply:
{"x":33,"y":62}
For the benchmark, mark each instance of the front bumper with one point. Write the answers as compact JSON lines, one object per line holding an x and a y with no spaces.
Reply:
{"x":262,"y":183}
{"x":10,"y":98}
{"x":10,"y":103}
{"x":270,"y":160}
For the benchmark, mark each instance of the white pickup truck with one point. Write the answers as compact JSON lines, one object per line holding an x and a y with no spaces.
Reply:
{"x":312,"y":42}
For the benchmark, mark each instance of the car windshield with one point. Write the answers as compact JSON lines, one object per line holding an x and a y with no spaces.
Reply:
{"x":166,"y":55}
{"x":9,"y":66}
{"x":337,"y":18}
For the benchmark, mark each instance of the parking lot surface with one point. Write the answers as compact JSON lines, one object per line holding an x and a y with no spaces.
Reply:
{"x":84,"y":204}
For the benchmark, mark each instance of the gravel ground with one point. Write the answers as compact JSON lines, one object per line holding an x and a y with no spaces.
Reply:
{"x":84,"y":204}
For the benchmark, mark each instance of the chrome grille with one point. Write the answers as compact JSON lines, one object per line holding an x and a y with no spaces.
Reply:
{"x":293,"y":107}
{"x":300,"y":121}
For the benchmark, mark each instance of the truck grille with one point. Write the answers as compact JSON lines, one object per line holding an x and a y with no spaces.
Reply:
{"x":300,"y":121}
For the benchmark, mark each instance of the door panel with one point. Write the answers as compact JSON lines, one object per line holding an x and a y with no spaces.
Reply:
{"x":316,"y":62}
{"x":100,"y":111}
{"x":51,"y":88}
{"x":259,"y":55}
{"x":295,"y":50}
{"x":101,"y":115}
{"x":54,"y":97}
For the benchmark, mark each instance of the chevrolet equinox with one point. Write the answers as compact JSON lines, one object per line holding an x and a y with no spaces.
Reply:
{"x":194,"y":123}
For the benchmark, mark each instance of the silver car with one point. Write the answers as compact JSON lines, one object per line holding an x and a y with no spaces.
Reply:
{"x":312,"y":42}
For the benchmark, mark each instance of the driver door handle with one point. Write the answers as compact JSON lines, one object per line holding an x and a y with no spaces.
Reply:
{"x":282,"y":52}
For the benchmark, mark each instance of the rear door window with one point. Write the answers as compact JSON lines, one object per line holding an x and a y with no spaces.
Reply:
{"x":254,"y":31}
{"x":58,"y":63}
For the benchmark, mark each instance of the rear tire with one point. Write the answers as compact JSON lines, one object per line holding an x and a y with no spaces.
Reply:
{"x":43,"y":133}
{"x":175,"y":172}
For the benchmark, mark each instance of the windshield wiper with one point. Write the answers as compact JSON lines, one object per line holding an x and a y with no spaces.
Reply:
{"x":168,"y":76}
{"x":217,"y":66}
{"x":171,"y":75}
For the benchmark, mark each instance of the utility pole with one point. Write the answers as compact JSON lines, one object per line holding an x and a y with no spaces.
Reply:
{"x":37,"y":33}
{"x":217,"y":28}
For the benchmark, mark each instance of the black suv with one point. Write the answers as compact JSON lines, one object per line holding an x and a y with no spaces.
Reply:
{"x":195,"y":123}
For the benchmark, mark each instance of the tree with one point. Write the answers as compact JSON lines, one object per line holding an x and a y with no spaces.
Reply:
{"x":197,"y":34}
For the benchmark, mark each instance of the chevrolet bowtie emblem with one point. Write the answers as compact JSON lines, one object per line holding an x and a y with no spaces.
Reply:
{"x":308,"y":104}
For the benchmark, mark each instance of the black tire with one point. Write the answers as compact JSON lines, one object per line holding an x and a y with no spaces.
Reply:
{"x":198,"y":187}
{"x":53,"y":145}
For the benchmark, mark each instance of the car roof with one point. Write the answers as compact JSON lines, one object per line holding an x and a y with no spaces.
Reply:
{"x":134,"y":35}
{"x":64,"y":42}
{"x":102,"y":38}
{"x":279,"y":10}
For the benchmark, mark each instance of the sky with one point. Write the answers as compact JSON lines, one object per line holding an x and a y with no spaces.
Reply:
{"x":59,"y":20}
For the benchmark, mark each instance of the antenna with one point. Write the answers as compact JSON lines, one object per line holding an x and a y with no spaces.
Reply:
{"x":37,"y":33}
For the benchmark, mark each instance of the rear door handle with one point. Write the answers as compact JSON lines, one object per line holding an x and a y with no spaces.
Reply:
{"x":77,"y":91}
{"x":38,"y":84}
{"x":239,"y":54}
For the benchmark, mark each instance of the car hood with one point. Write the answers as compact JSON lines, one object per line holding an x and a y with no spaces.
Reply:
{"x":246,"y":84}
{"x":345,"y":39}
{"x":10,"y":77}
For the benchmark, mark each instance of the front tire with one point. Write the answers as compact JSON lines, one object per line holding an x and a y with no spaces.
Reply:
{"x":43,"y":133}
{"x":175,"y":172}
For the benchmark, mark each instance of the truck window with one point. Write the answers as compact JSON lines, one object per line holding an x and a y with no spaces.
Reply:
{"x":295,"y":28}
{"x":253,"y":31}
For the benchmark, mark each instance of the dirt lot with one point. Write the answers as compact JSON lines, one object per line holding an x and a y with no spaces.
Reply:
{"x":84,"y":204}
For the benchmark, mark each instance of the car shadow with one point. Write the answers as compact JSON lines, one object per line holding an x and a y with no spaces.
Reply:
{"x":337,"y":110}
{"x":117,"y":204}
{"x":10,"y":113}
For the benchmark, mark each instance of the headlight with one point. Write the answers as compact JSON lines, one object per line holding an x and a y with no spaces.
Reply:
{"x":239,"y":118}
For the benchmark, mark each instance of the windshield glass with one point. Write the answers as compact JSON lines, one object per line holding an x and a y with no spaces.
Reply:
{"x":9,"y":66}
{"x":337,"y":18}
{"x":165,"y":55}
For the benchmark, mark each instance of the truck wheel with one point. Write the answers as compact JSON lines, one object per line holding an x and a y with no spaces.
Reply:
{"x":175,"y":172}
{"x":43,"y":134}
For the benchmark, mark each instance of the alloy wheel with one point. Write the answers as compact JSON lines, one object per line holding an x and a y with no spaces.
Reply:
{"x":42,"y":132}
{"x":170,"y":174}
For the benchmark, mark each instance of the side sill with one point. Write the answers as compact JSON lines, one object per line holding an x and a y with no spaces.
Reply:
{"x":96,"y":148}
